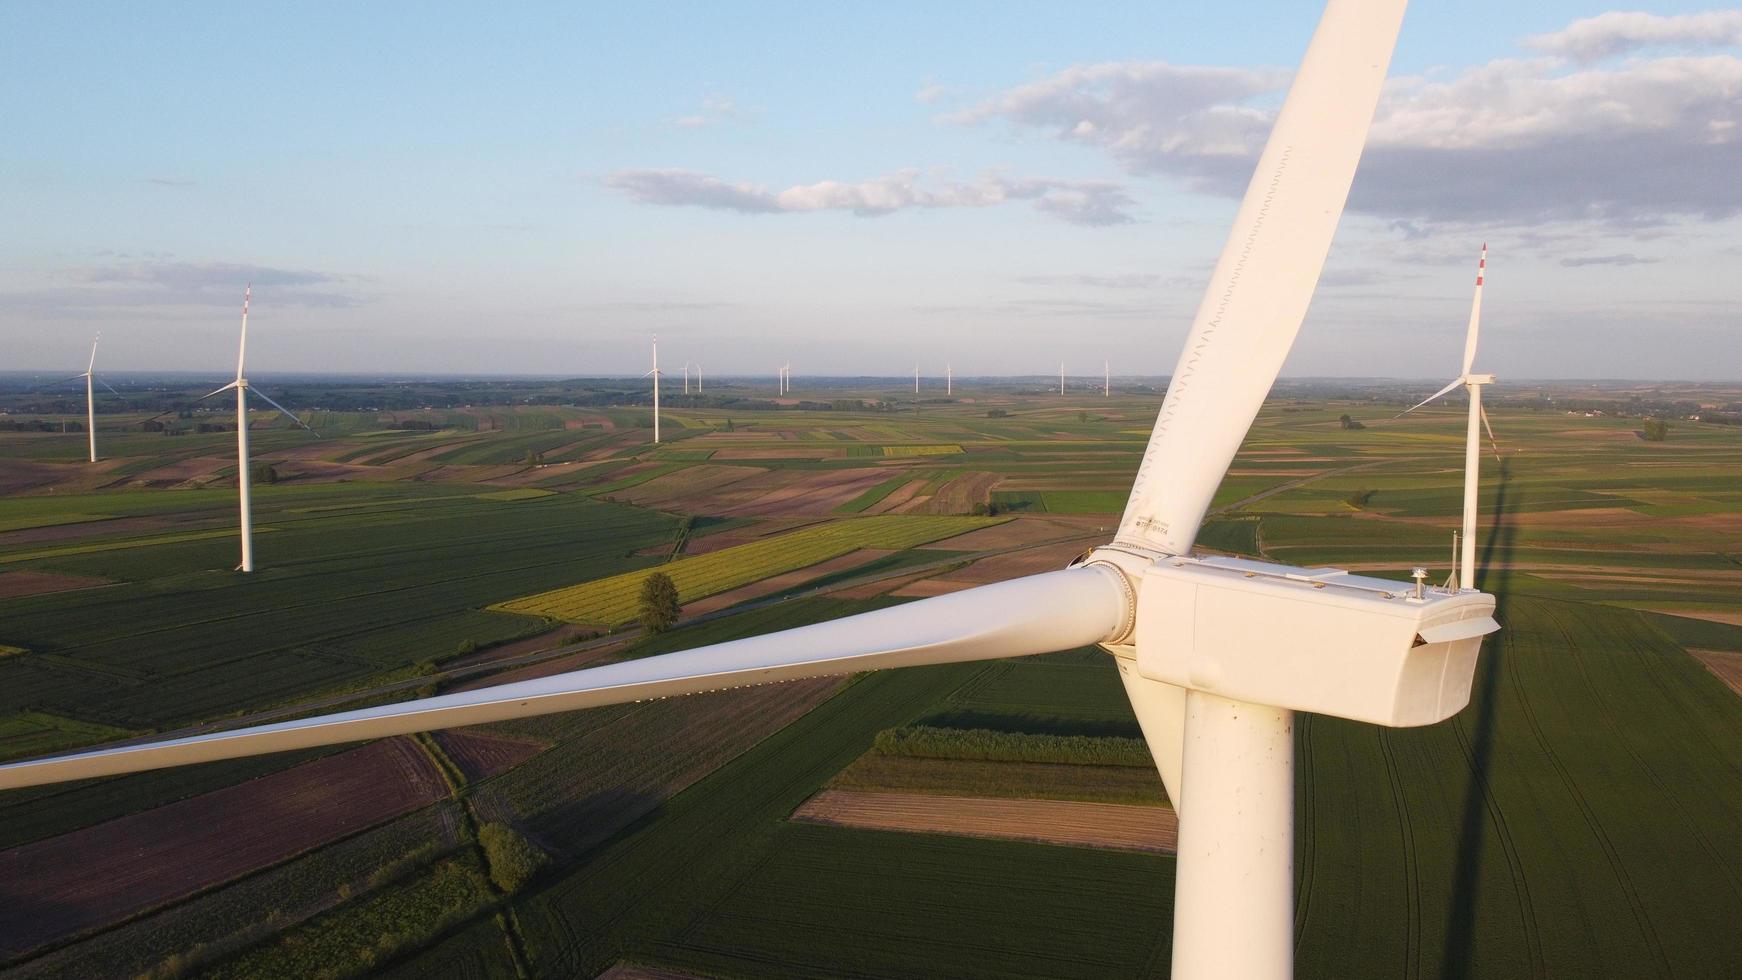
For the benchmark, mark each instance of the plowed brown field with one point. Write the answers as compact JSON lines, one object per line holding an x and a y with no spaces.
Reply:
{"x":62,"y":886}
{"x":15,"y":584}
{"x":1726,"y":664}
{"x":481,"y":755}
{"x":1108,"y":825}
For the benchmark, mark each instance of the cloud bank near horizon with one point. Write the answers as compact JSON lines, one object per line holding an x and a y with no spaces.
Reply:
{"x":1081,"y":202}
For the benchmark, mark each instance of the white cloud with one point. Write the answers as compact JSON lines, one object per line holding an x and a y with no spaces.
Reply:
{"x":929,"y":94}
{"x":1620,"y":32}
{"x":1624,"y":258}
{"x":1075,"y":201}
{"x":1128,"y":280}
{"x":714,"y":109}
{"x":1517,"y":141}
{"x":1152,"y":116}
{"x":180,"y":284}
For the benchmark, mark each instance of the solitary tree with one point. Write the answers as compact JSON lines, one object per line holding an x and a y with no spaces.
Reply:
{"x":513,"y":859}
{"x":1350,"y":423}
{"x":659,"y":605}
{"x":1656,"y":430}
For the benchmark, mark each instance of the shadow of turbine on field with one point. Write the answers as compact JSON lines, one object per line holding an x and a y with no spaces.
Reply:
{"x":1494,"y":576}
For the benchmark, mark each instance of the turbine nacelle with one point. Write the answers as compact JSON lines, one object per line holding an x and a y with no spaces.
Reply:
{"x":1310,"y":639}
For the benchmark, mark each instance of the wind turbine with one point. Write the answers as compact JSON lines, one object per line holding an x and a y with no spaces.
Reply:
{"x":949,"y":378}
{"x":1216,"y":654}
{"x":916,"y":379}
{"x":91,"y":398}
{"x":1478,"y":420}
{"x":654,"y":374}
{"x":244,"y":478}
{"x":686,"y":377}
{"x":1061,"y":377}
{"x":90,"y":379}
{"x":698,"y":377}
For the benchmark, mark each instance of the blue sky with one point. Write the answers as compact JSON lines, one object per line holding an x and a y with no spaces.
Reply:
{"x":853,"y":188}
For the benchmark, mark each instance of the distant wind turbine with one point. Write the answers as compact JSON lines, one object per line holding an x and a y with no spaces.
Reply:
{"x":244,"y":478}
{"x":1106,"y":379}
{"x":949,"y":378}
{"x":1061,"y":377}
{"x":1478,"y":420}
{"x":916,"y":379}
{"x":686,"y":377}
{"x":654,"y":374}
{"x":90,"y":378}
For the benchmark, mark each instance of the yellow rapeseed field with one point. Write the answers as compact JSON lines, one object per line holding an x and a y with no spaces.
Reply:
{"x":610,"y":601}
{"x":905,"y":451}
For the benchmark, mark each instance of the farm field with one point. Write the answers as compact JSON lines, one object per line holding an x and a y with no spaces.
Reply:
{"x":1073,"y":824}
{"x":611,"y":601}
{"x":1578,"y":818}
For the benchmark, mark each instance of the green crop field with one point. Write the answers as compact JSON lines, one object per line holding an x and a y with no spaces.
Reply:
{"x":182,"y":639}
{"x":1577,"y":819}
{"x":612,"y":600}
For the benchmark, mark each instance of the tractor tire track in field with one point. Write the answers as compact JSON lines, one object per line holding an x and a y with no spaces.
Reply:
{"x":1485,"y":794}
{"x":1411,"y":870}
{"x":1306,"y":799}
{"x":1628,"y":889}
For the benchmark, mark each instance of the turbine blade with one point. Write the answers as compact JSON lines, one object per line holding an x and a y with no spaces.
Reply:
{"x":216,"y":391}
{"x":1475,"y":311}
{"x":1037,"y":614}
{"x":93,"y":365}
{"x":1491,"y":440}
{"x":242,"y":349}
{"x":1266,"y":275}
{"x":1438,"y":394}
{"x":108,"y":386}
{"x":285,"y":411}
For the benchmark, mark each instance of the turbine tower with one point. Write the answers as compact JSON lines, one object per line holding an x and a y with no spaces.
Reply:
{"x":686,"y":377}
{"x":654,"y":374}
{"x":1061,"y":377}
{"x":244,"y":478}
{"x":91,"y":399}
{"x":698,"y":377}
{"x":916,"y":379}
{"x":949,"y":378}
{"x":1216,"y":654}
{"x":90,"y":378}
{"x":1106,"y":379}
{"x":1477,"y":421}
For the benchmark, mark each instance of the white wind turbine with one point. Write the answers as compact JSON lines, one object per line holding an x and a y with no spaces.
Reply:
{"x":916,"y":379}
{"x":90,"y":378}
{"x":1061,"y":377}
{"x":1464,"y":572}
{"x":1106,"y":379}
{"x":949,"y":378}
{"x":1216,"y":654}
{"x":244,"y":478}
{"x":654,"y":374}
{"x":686,"y":377}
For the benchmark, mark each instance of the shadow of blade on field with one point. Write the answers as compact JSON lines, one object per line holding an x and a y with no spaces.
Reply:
{"x":1494,"y":574}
